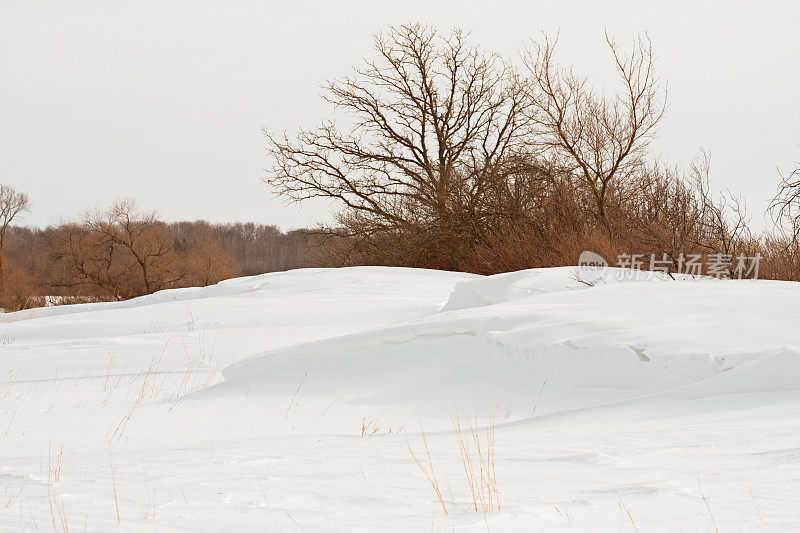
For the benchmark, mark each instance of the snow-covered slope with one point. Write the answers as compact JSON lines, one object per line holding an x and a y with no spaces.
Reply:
{"x":300,"y":400}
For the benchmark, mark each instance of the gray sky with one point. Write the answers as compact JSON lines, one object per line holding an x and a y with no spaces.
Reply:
{"x":164,"y":100}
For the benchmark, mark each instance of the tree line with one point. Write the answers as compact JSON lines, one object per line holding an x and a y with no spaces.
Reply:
{"x":123,"y":252}
{"x":452,"y":158}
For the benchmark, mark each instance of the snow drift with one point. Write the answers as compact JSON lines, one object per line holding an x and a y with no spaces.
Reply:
{"x":592,"y":344}
{"x":290,"y":401}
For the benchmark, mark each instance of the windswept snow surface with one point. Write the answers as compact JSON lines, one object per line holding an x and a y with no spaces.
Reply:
{"x":298,"y":401}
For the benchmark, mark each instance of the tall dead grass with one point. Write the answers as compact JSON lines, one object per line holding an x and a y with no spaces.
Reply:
{"x":476,"y":446}
{"x":478,"y":459}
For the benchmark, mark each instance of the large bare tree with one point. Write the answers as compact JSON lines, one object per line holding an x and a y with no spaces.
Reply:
{"x":601,"y":138}
{"x":12,"y":203}
{"x":434,"y":121}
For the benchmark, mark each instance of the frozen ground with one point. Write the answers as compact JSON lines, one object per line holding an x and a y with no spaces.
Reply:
{"x":327,"y":400}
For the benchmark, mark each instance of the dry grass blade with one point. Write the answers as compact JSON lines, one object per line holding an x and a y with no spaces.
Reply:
{"x":753,"y":497}
{"x":624,"y":508}
{"x":431,"y":476}
{"x":114,"y":483}
{"x":708,"y":505}
{"x":295,"y":401}
{"x":535,"y":405}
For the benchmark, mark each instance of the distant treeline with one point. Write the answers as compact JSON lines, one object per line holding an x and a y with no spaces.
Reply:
{"x":121,"y":254}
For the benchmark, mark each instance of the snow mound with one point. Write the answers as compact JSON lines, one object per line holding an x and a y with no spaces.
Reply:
{"x":513,"y":285}
{"x":344,"y":283}
{"x":294,"y":400}
{"x":611,"y":342}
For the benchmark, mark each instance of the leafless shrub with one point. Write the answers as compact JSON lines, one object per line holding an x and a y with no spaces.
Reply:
{"x":12,"y":203}
{"x":122,"y":253}
{"x":785,"y":206}
{"x":600,"y":139}
{"x":780,"y":258}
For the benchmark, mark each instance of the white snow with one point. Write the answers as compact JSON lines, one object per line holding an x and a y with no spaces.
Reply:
{"x":293,"y":402}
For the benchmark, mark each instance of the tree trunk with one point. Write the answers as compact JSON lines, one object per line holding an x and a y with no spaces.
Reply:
{"x":2,"y":272}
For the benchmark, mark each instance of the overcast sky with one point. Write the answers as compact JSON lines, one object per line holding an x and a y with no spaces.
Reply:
{"x":165,"y":100}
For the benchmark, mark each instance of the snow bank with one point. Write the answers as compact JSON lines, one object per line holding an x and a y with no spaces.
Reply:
{"x":611,"y":342}
{"x":370,"y":282}
{"x":290,"y":401}
{"x":513,"y":285}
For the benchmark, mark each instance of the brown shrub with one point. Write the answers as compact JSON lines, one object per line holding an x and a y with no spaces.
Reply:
{"x":20,"y":291}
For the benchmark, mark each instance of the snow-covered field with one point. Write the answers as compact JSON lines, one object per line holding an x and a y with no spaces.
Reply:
{"x":407,"y":400}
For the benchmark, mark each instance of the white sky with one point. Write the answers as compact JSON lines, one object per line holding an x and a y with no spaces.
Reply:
{"x":164,"y":101}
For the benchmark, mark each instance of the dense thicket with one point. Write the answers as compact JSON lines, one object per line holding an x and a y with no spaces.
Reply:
{"x":455,"y":159}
